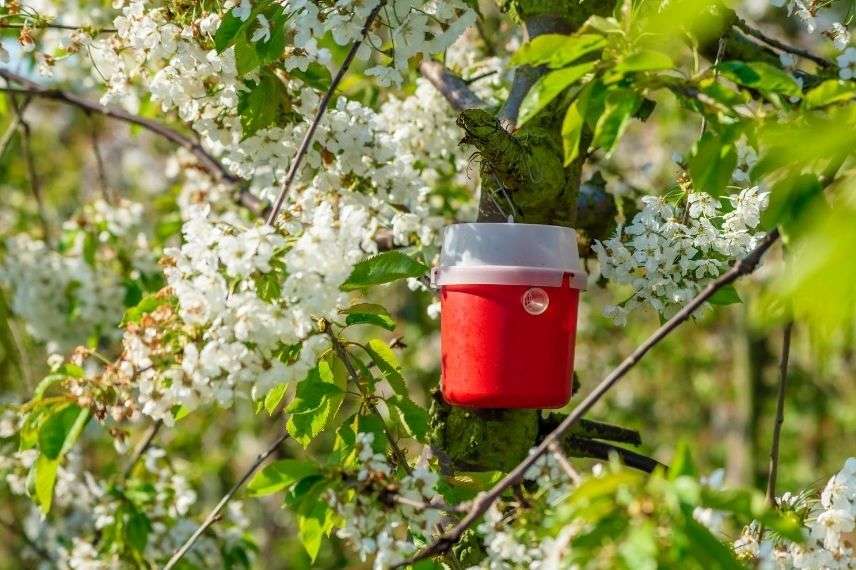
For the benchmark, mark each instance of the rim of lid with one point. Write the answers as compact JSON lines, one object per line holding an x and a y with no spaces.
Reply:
{"x":499,"y":244}
{"x":507,"y":275}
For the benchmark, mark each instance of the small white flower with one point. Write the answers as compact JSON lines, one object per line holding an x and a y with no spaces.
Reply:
{"x":263,"y":31}
{"x":243,"y":11}
{"x":847,"y":63}
{"x":840,"y":35}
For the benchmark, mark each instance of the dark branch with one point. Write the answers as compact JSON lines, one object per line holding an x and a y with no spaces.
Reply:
{"x":455,"y":89}
{"x":743,"y":267}
{"x":208,"y":162}
{"x":35,"y":25}
{"x":602,"y":450}
{"x":744,"y":27}
{"x":322,"y":108}
{"x":780,"y":414}
{"x":214,"y":515}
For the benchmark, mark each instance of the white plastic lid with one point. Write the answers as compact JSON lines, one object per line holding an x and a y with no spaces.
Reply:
{"x":509,"y":254}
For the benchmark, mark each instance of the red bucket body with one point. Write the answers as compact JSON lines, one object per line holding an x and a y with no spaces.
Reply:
{"x":496,"y":354}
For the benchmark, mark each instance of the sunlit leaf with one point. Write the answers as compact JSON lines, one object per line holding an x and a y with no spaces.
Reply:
{"x":369,"y":313}
{"x":557,"y":50}
{"x":549,"y":86}
{"x":712,"y":163}
{"x":829,"y":92}
{"x":383,"y":268}
{"x":619,"y":107}
{"x":280,"y":475}
{"x":387,"y":362}
{"x":760,"y":76}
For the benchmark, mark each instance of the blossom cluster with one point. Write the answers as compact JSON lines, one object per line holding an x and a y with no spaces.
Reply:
{"x":70,"y":295}
{"x":829,"y":528}
{"x":837,"y":31}
{"x":246,"y":296}
{"x":86,"y":508}
{"x":382,"y":531}
{"x":669,"y":252}
{"x":508,"y":545}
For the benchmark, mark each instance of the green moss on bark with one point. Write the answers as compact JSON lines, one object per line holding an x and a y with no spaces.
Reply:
{"x":575,"y":12}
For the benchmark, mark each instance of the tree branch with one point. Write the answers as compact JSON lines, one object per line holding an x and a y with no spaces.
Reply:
{"x":141,"y":448}
{"x":30,"y":161}
{"x":214,"y":515}
{"x":747,"y":29}
{"x":455,"y":89}
{"x":483,"y":502}
{"x":526,"y":76}
{"x":602,"y":450}
{"x":322,"y":107}
{"x":36,"y":25}
{"x":780,"y":414}
{"x":208,"y":162}
{"x":345,"y":357}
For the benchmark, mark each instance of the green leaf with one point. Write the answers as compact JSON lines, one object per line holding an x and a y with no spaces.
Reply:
{"x":274,"y":397}
{"x":829,"y":92}
{"x":370,"y":314}
{"x":572,"y":130}
{"x":639,"y":548}
{"x":316,"y":76}
{"x":315,"y":404}
{"x":90,"y":247}
{"x":413,"y":417}
{"x":383,"y":268}
{"x":246,"y":58}
{"x":280,"y":475}
{"x":790,"y":200}
{"x":557,"y":50}
{"x":137,"y":527}
{"x":641,"y":60}
{"x":548,"y":87}
{"x":705,"y":546}
{"x":147,"y":304}
{"x":45,"y":478}
{"x":56,"y":429}
{"x":374,"y":425}
{"x":682,"y":463}
{"x":314,"y":519}
{"x":725,"y":296}
{"x":712,"y":163}
{"x":760,"y":76}
{"x":228,"y":31}
{"x":259,"y":107}
{"x":387,"y":363}
{"x":619,"y":108}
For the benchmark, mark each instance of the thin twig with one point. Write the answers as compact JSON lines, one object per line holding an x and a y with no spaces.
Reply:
{"x":565,"y":464}
{"x":322,"y":108}
{"x":780,"y":414}
{"x":14,"y":123}
{"x":455,"y":89}
{"x":141,"y":448}
{"x":483,"y":502}
{"x":31,"y":88}
{"x":214,"y":515}
{"x":94,"y":30}
{"x":99,"y":161}
{"x":41,"y":552}
{"x":436,"y":505}
{"x":345,"y":357}
{"x":744,"y":27}
{"x":30,"y":162}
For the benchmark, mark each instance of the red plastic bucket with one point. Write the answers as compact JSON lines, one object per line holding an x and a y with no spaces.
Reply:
{"x":509,"y":295}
